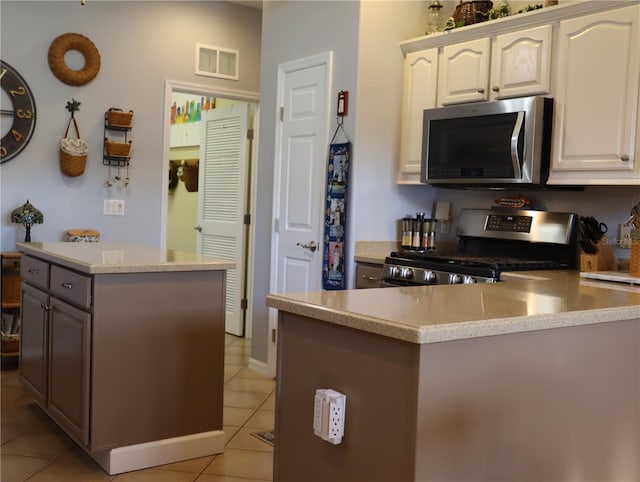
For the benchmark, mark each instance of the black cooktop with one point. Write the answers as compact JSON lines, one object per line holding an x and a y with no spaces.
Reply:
{"x":456,"y":262}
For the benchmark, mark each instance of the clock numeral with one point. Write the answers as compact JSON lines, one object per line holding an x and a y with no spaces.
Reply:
{"x":19,"y":91}
{"x":24,"y":114}
{"x":18,"y":136}
{"x":4,"y":71}
{"x":3,"y":151}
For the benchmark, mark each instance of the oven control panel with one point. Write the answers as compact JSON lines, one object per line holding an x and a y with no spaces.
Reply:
{"x":507,"y":222}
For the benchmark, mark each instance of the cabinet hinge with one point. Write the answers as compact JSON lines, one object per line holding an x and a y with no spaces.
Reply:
{"x":276,"y":225}
{"x":281,"y":114}
{"x":243,"y":303}
{"x":247,"y":219}
{"x":250,"y":134}
{"x":273,"y":335}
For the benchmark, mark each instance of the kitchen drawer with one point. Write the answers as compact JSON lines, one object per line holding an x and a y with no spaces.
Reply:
{"x":368,"y":275}
{"x":35,"y":271}
{"x":71,"y":286}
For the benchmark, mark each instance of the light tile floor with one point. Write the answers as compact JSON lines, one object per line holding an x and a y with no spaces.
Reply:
{"x":34,"y":449}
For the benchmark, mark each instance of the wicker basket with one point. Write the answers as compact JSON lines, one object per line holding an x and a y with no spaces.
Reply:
{"x":117,"y":149}
{"x":471,"y":12}
{"x":116,"y":117}
{"x":11,"y":287}
{"x":634,"y":262}
{"x":71,"y":165}
{"x":73,"y":152}
{"x":10,"y":343}
{"x":190,"y":177}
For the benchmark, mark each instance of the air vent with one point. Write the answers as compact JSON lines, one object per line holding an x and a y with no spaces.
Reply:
{"x":212,"y":61}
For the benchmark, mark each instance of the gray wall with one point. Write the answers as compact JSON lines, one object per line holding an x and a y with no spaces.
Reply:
{"x":293,"y":30}
{"x":141,"y":45}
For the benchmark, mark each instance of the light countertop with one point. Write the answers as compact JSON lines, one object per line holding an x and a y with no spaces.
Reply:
{"x":102,"y":258}
{"x":527,"y":301}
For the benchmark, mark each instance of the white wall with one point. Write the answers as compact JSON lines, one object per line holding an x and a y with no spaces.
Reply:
{"x":377,"y":200}
{"x":141,"y":44}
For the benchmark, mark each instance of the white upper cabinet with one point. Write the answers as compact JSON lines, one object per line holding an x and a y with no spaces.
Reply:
{"x":515,"y":64}
{"x":596,"y":99}
{"x":464,"y":72}
{"x":520,"y":63}
{"x":418,"y":93}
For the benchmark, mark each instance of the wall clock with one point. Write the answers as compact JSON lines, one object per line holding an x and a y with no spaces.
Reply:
{"x":18,"y":112}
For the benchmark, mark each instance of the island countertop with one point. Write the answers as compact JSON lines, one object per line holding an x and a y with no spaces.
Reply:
{"x":104,"y":258}
{"x":426,"y":314}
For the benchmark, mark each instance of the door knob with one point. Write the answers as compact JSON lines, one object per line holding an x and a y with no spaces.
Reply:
{"x":198,"y":228}
{"x":312,"y":246}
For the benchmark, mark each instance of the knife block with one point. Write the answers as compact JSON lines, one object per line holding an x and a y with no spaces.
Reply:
{"x":603,"y":260}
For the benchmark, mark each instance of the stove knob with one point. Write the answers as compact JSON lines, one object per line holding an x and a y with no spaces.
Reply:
{"x":430,"y":277}
{"x":455,"y":279}
{"x":394,"y":271}
{"x":468,"y":280}
{"x":406,"y":273}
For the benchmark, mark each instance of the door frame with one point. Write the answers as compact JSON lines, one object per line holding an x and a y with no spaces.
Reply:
{"x":171,"y":86}
{"x":326,"y":59}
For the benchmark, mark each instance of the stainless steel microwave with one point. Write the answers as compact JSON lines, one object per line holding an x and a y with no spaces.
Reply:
{"x":500,"y":144}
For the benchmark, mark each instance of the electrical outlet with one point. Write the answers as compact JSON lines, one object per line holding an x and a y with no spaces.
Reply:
{"x":336,"y":420}
{"x":329,"y":414}
{"x":317,"y":414}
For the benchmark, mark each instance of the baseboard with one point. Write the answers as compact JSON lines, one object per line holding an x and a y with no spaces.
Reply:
{"x":160,"y":452}
{"x":258,"y":366}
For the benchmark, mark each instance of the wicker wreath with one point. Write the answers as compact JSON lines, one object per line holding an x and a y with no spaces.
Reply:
{"x":74,"y":41}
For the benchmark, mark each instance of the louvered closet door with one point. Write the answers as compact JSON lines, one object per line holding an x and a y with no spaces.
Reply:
{"x":222,"y":199}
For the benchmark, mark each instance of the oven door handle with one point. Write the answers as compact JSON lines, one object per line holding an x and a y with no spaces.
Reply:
{"x":517,"y":172}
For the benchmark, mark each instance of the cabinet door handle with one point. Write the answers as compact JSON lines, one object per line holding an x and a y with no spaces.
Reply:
{"x":64,"y":284}
{"x":45,"y":307}
{"x":624,"y":157}
{"x":32,"y":271}
{"x":495,"y":88}
{"x":480,"y":90}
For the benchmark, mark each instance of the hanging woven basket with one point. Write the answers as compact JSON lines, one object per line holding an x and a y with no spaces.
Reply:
{"x":73,"y":152}
{"x":116,"y":117}
{"x":190,"y":177}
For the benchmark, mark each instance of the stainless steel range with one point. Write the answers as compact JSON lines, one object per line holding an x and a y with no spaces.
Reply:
{"x":490,"y":242}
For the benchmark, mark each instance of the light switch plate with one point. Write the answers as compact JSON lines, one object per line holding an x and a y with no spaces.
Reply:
{"x":113,"y":207}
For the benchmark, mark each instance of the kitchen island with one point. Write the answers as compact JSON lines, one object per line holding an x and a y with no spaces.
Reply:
{"x":536,"y":378}
{"x":122,"y":346}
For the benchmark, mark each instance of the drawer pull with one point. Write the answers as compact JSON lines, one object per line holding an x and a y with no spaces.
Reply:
{"x":32,"y":271}
{"x":64,"y":284}
{"x":370,"y":278}
{"x":45,"y":307}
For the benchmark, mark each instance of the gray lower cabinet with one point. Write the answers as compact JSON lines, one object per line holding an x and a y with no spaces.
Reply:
{"x":54,"y":362}
{"x":34,"y":342}
{"x":69,"y":356}
{"x":112,"y":358}
{"x":368,"y":275}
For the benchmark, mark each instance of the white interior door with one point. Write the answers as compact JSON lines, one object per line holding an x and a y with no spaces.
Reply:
{"x":303,"y":157}
{"x":300,"y":178}
{"x":222,"y":200}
